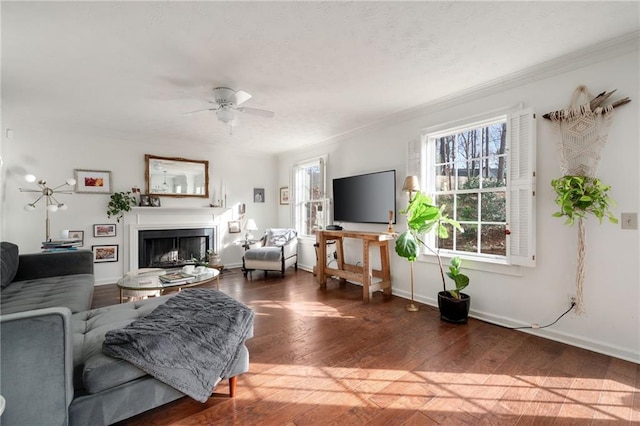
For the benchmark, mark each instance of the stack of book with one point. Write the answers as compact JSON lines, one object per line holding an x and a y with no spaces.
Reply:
{"x":63,"y":244}
{"x":175,"y":278}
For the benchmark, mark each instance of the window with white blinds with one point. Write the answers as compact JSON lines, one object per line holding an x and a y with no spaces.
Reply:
{"x":483,"y":170}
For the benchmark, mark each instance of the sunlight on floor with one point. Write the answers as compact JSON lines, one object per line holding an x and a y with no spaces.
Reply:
{"x":303,"y":309}
{"x":570,"y":397}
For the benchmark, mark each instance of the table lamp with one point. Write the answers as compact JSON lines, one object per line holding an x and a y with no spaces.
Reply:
{"x":249,"y":226}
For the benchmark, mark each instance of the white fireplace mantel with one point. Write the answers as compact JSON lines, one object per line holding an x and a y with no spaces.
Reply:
{"x":150,"y":218}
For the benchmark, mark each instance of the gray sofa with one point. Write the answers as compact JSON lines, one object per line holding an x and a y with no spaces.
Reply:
{"x":53,"y":371}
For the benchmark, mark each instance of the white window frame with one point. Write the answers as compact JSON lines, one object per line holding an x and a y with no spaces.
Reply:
{"x":520,"y":203}
{"x":298,"y":194}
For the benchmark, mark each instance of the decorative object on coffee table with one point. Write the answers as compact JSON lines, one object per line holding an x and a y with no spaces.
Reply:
{"x":52,"y":205}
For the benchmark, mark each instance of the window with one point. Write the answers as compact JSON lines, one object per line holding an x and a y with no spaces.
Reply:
{"x":483,"y":172}
{"x":309,"y":196}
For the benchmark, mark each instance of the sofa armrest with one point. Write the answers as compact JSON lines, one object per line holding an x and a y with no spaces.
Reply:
{"x":36,"y":349}
{"x":42,"y":265}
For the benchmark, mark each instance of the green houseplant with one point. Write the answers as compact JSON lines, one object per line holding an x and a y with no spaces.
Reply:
{"x":454,"y":305}
{"x":119,"y":203}
{"x":578,"y":196}
{"x":423,"y":216}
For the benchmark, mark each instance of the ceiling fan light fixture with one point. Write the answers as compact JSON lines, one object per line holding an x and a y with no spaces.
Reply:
{"x":225,"y":115}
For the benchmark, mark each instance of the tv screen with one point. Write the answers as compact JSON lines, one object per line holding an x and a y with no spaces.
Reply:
{"x":366,"y":198}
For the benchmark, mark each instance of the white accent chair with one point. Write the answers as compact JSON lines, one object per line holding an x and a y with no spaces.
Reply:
{"x":276,"y":251}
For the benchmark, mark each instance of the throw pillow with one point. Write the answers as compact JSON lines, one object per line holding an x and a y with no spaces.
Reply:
{"x":8,"y":263}
{"x":279,"y":237}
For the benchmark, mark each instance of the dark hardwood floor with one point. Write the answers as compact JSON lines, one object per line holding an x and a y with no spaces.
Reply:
{"x":322,"y":357}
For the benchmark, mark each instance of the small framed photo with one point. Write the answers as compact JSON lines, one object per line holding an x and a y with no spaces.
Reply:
{"x":93,"y":181}
{"x":105,"y":253}
{"x":78,"y":235}
{"x":145,"y":201}
{"x":284,"y":195}
{"x":234,"y":226}
{"x":107,"y":230}
{"x":154,"y":201}
{"x":258,"y":195}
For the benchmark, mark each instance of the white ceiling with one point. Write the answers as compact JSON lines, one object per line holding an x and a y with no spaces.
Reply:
{"x":132,"y":69}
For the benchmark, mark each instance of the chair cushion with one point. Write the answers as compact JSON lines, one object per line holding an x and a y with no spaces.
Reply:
{"x":264,"y":253}
{"x":9,"y":263}
{"x":73,"y":291}
{"x":93,"y":370}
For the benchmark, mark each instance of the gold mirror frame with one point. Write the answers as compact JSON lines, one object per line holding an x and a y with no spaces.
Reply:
{"x":176,"y":177}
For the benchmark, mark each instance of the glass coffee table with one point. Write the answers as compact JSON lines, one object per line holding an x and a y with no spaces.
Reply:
{"x":149,"y":280}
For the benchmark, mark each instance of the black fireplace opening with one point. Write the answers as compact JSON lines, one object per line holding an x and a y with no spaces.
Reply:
{"x":167,"y":248}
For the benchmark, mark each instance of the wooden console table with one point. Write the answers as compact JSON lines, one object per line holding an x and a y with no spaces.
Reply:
{"x":361,"y":274}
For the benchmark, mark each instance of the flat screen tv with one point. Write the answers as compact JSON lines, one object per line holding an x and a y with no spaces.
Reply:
{"x":365,"y":198}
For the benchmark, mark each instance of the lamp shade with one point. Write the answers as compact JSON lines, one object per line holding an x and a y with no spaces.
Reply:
{"x":411,"y":184}
{"x":251,"y":225}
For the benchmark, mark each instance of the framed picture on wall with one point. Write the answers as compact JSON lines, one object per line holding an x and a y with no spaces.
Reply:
{"x":258,"y":195}
{"x":78,"y":235}
{"x":234,"y":226}
{"x":93,"y":181}
{"x":284,"y":195}
{"x":106,"y":230}
{"x":105,"y":253}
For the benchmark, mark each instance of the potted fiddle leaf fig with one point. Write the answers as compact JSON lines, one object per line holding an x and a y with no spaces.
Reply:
{"x":120,"y":203}
{"x":578,"y":196}
{"x":454,"y":305}
{"x":423,"y":216}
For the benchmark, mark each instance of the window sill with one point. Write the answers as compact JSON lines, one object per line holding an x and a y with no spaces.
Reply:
{"x":486,"y":265}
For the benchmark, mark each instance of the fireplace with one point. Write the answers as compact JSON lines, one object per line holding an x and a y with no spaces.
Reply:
{"x":166,"y":248}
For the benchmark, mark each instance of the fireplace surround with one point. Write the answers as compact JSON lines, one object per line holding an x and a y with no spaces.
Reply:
{"x":141,"y":219}
{"x":167,"y":248}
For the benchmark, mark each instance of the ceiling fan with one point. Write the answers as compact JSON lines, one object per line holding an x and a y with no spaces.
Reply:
{"x":227,"y":101}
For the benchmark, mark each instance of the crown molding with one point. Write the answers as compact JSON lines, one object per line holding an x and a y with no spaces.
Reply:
{"x":599,"y":52}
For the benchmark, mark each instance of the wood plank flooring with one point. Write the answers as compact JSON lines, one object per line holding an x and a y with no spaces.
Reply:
{"x":322,"y":357}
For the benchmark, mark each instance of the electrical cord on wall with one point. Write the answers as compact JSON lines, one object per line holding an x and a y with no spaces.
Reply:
{"x":535,"y":326}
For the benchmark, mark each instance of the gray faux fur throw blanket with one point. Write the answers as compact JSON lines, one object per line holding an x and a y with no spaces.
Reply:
{"x":190,"y":342}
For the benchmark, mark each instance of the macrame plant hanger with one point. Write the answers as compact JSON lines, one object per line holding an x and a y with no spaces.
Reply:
{"x":581,"y":133}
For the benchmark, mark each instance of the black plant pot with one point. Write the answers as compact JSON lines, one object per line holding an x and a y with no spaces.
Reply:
{"x":454,"y":310}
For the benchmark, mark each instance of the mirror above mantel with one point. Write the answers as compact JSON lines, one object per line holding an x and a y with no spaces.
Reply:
{"x":176,"y":177}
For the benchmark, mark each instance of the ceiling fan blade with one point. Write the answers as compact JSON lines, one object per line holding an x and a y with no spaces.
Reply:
{"x":256,"y":111}
{"x":199,"y":110}
{"x":240,"y":97}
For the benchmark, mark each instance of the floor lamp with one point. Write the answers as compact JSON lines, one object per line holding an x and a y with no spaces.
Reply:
{"x":52,"y":205}
{"x":411,"y":185}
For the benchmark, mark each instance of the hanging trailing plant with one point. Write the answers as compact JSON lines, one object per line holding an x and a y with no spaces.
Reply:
{"x":120,"y":203}
{"x":578,"y":196}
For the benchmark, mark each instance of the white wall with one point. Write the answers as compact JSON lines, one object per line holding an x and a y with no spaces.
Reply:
{"x":533,"y":295}
{"x":53,"y":155}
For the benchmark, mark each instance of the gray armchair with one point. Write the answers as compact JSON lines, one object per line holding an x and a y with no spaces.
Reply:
{"x":276,"y":251}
